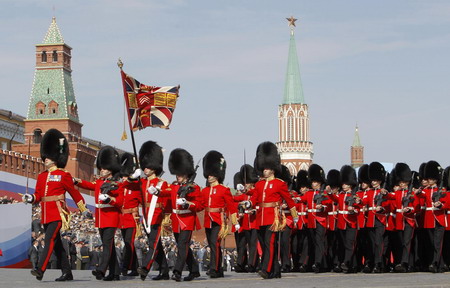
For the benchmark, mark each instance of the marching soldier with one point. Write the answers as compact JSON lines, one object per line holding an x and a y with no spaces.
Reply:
{"x":268,"y":195}
{"x":435,"y":220}
{"x":51,"y":187}
{"x":334,"y":244}
{"x":304,"y":242}
{"x":186,"y":202}
{"x":363,"y":247}
{"x":129,"y":218}
{"x":108,"y":204}
{"x":218,"y":202}
{"x":156,"y":194}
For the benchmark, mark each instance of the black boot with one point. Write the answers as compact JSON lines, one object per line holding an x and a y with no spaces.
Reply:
{"x":99,"y":275}
{"x":161,"y":276}
{"x":38,"y":273}
{"x":192,"y":276}
{"x":401,"y":268}
{"x":142,"y":272}
{"x":67,"y":276}
{"x":111,"y":277}
{"x":377,"y":269}
{"x":176,"y":276}
{"x":316,"y":267}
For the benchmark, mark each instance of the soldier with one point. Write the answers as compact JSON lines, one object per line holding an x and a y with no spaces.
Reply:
{"x":363,"y":247}
{"x":435,"y":220}
{"x":377,"y":209}
{"x":218,"y":203}
{"x":334,"y":243}
{"x":268,"y":195}
{"x":186,"y":202}
{"x":304,"y":242}
{"x":247,"y":235}
{"x":129,"y":218}
{"x":51,"y":187}
{"x":108,"y":204}
{"x":157,"y":195}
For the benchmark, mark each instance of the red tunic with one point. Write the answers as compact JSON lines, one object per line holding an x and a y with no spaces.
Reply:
{"x":315,"y":215}
{"x":433,"y":214}
{"x":55,"y":182}
{"x":345,"y":218}
{"x":163,"y":198}
{"x":185,"y":219}
{"x":401,"y":217}
{"x":244,"y":220}
{"x":369,"y":201}
{"x":362,"y":216}
{"x":267,"y":196}
{"x":106,"y":215}
{"x":217,"y":198}
{"x":131,"y":199}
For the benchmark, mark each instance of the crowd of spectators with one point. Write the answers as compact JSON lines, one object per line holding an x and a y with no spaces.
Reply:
{"x":6,"y":200}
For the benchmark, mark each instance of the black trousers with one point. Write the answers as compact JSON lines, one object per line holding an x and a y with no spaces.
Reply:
{"x":155,"y":251}
{"x":285,"y":248}
{"x":129,"y":257}
{"x":241,"y":246}
{"x":446,"y":248}
{"x":318,"y":236}
{"x":53,"y":242}
{"x":185,"y":254}
{"x":334,"y":245}
{"x":376,"y":239}
{"x":364,"y":248}
{"x":253,"y":257}
{"x":212,"y":235}
{"x":109,"y":257}
{"x":304,"y":239}
{"x":406,"y":237}
{"x":269,"y":245}
{"x":436,"y":237}
{"x":349,"y":237}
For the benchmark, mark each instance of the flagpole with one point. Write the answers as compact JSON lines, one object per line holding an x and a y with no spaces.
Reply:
{"x":136,"y":159}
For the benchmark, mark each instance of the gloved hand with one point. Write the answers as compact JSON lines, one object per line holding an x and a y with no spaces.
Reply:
{"x":247,"y":204}
{"x":153,"y":190}
{"x":240,"y":187}
{"x":27,"y":198}
{"x":295,"y":220}
{"x":237,"y":227}
{"x":181,"y":201}
{"x":87,"y":214}
{"x":104,"y":198}
{"x":136,"y":174}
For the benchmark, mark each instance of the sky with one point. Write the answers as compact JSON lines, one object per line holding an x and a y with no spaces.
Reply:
{"x":381,"y":65}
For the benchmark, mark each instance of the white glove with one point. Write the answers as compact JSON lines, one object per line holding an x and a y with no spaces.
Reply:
{"x":181,"y":201}
{"x":237,"y":227}
{"x":104,"y":198}
{"x":240,"y":187}
{"x":295,"y":220}
{"x":153,"y":190}
{"x":137,"y":173}
{"x":27,"y":198}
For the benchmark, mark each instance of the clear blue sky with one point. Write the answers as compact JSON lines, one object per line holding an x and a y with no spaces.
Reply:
{"x":382,"y":64}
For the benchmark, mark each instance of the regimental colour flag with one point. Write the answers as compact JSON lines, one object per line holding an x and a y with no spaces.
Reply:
{"x":148,"y":105}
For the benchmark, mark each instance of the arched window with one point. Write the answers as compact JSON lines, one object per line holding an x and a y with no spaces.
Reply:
{"x":44,"y":57}
{"x":55,"y":56}
{"x":37,"y":136}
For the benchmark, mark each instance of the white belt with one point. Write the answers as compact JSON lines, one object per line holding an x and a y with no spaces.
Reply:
{"x":371,"y":208}
{"x":448,"y":212}
{"x":177,"y":211}
{"x":333,"y":213}
{"x":431,"y":208}
{"x":313,"y":210}
{"x":304,"y":213}
{"x":344,"y":212}
{"x":287,"y":211}
{"x":423,"y":207}
{"x":392,"y":214}
{"x":399,"y":210}
{"x":103,"y":206}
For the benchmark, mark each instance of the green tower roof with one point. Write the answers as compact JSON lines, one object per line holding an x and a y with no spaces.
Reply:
{"x":356,"y":141}
{"x":293,"y":91}
{"x":53,"y":35}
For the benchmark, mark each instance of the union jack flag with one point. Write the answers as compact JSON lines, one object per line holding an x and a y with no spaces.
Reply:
{"x":148,"y":105}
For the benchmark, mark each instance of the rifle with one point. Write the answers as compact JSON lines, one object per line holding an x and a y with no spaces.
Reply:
{"x":318,"y":198}
{"x":409,"y":198}
{"x":439,"y":194}
{"x":351,"y":200}
{"x":188,"y":187}
{"x":108,"y":187}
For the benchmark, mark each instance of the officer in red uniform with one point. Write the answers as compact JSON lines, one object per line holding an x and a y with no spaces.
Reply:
{"x":157,"y":196}
{"x":218,"y":203}
{"x":378,"y":209}
{"x":318,"y":203}
{"x":129,"y":218}
{"x":51,"y":187}
{"x":268,"y":195}
{"x":186,"y":202}
{"x":247,"y":235}
{"x":435,"y":220}
{"x":108,"y":204}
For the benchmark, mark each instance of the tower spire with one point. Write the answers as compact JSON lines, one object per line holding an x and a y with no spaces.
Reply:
{"x":356,"y":140}
{"x":356,"y":150}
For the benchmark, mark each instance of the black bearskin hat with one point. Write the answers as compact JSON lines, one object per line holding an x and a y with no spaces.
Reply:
{"x":316,"y":174}
{"x":302,"y":180}
{"x":333,"y":178}
{"x":248,"y":174}
{"x":422,"y":171}
{"x":181,"y":163}
{"x":285,"y":175}
{"x":377,"y":172}
{"x":108,"y":158}
{"x":151,"y":157}
{"x":446,"y":178}
{"x":363,"y":174}
{"x":402,"y":173}
{"x":267,"y":157}
{"x":348,"y":175}
{"x":433,"y":171}
{"x":54,"y":146}
{"x":214,"y":164}
{"x":415,"y":179}
{"x":127,"y":163}
{"x":237,"y":179}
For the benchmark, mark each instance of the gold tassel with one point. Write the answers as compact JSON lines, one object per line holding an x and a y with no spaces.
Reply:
{"x":138,"y":225}
{"x":224,"y":229}
{"x":124,"y":136}
{"x":283,"y":222}
{"x":124,"y":133}
{"x":166,"y":225}
{"x":66,"y":217}
{"x":276,"y":221}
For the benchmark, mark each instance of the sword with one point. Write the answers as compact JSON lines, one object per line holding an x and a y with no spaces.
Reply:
{"x":151,"y":209}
